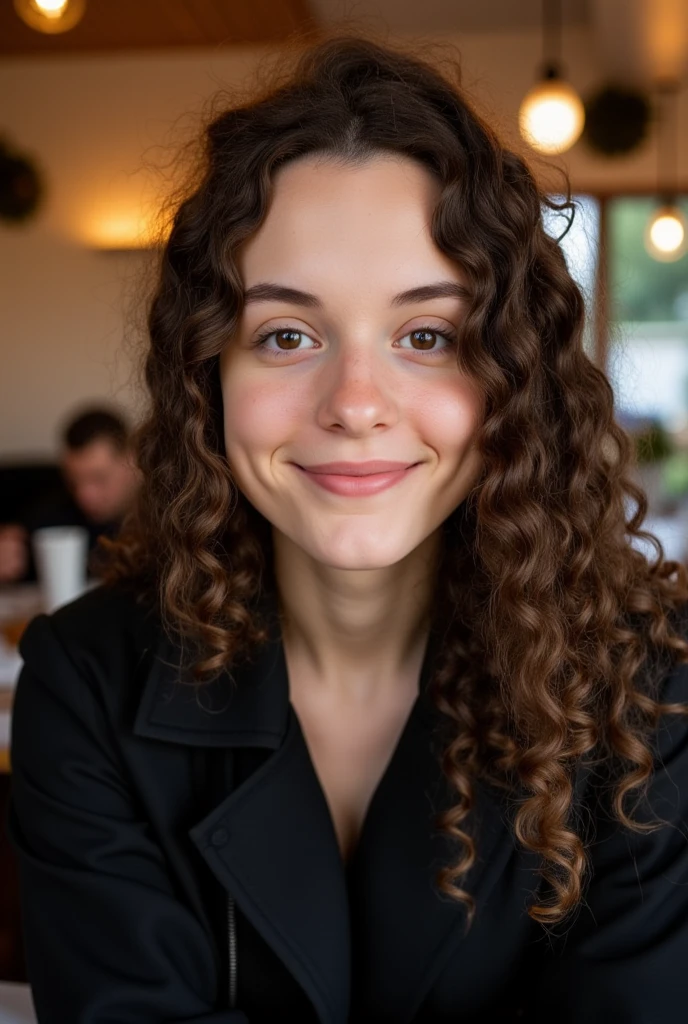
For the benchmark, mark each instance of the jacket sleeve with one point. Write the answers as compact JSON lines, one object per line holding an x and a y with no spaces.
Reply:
{"x":625,"y":957}
{"x":106,"y":940}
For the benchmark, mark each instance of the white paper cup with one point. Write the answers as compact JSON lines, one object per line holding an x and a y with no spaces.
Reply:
{"x":61,"y":555}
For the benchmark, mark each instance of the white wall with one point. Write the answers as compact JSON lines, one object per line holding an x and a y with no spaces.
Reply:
{"x":104,"y":129}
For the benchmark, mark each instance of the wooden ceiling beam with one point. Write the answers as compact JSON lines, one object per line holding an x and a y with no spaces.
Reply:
{"x":159,"y":24}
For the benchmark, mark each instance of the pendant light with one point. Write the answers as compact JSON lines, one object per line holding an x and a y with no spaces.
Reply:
{"x":665,"y":234}
{"x":551,"y":115}
{"x":50,"y":16}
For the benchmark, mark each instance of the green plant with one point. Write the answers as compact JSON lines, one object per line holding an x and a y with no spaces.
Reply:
{"x":653,"y":444}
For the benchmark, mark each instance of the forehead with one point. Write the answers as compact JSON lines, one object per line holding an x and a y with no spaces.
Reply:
{"x":329,"y":219}
{"x":98,"y":454}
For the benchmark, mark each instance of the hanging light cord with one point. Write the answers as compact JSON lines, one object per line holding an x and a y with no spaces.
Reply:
{"x":667,"y":142}
{"x":551,"y":38}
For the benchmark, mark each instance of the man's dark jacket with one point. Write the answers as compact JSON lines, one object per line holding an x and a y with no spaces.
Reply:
{"x":139,"y":810}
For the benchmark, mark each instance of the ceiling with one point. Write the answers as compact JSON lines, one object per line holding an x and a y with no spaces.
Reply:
{"x":110,"y":25}
{"x":452,"y":15}
{"x":160,"y":24}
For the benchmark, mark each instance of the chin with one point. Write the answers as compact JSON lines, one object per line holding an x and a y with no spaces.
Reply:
{"x":360,"y":553}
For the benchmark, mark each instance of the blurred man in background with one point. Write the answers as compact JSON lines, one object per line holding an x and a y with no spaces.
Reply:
{"x":101,"y":479}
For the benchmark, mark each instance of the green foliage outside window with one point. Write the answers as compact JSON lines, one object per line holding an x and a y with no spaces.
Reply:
{"x":640,"y":287}
{"x":653,"y":444}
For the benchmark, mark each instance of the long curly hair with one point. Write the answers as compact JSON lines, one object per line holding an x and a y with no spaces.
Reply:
{"x":556,"y":630}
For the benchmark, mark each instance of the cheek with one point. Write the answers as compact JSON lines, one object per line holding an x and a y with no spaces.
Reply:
{"x":258,"y":415}
{"x":448,"y":416}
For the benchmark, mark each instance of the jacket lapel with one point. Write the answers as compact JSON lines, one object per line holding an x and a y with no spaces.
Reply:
{"x":271,"y":842}
{"x":397,"y":914}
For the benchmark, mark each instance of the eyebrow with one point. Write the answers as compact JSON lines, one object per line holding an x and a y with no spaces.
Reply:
{"x":267,"y":291}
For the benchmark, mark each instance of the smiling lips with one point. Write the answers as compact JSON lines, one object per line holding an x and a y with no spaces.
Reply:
{"x":356,"y":479}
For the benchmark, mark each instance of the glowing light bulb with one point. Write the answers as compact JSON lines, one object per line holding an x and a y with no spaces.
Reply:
{"x":551,"y":116}
{"x":50,"y":15}
{"x":51,"y":8}
{"x":665,"y":235}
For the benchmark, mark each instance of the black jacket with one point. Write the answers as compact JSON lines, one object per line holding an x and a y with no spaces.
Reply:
{"x":143,"y":822}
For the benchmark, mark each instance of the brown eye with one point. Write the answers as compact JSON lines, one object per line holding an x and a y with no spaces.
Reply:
{"x":427,"y":340}
{"x":292,"y":338}
{"x":424,"y":339}
{"x":281,"y":341}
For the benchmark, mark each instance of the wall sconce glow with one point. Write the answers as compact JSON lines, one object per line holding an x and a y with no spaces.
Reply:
{"x":121,"y":232}
{"x":50,"y":16}
{"x":551,"y":116}
{"x":665,"y":236}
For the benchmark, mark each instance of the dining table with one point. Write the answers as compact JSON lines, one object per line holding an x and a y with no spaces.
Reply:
{"x":19,"y":603}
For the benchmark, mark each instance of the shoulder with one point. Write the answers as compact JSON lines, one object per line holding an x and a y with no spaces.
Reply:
{"x":98,"y":640}
{"x":666,"y":678}
{"x":663,"y":797}
{"x":670,"y":740}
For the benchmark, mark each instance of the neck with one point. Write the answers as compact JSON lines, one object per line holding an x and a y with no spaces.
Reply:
{"x":358,"y":635}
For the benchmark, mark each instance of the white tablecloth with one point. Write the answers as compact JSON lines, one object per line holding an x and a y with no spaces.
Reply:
{"x":16,"y":1005}
{"x":21,"y":601}
{"x":16,"y":602}
{"x":10,"y":663}
{"x":5,"y":719}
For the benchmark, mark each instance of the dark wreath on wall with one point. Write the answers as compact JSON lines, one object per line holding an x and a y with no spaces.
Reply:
{"x":617,"y":120}
{"x":21,"y":187}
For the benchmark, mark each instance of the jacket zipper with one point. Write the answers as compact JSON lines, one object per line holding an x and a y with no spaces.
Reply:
{"x":232,"y":947}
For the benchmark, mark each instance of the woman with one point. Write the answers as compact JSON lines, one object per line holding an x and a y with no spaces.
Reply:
{"x":434,"y":766}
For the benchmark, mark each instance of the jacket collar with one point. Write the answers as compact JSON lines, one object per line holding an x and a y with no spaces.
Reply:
{"x":247,"y":707}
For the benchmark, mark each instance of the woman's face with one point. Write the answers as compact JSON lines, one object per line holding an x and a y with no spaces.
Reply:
{"x":346,"y":372}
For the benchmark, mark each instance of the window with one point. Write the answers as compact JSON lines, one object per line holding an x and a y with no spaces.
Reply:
{"x":637,"y":331}
{"x":580,"y":241}
{"x":648,"y":314}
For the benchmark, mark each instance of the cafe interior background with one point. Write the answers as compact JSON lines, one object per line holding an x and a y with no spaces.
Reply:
{"x":97,"y":99}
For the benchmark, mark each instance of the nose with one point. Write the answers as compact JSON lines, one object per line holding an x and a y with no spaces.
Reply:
{"x":89,"y":497}
{"x":358,"y":394}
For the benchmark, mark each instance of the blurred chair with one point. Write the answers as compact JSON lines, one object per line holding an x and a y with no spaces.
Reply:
{"x":21,"y":483}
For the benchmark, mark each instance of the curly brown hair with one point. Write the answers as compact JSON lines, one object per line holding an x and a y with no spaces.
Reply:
{"x":556,"y":630}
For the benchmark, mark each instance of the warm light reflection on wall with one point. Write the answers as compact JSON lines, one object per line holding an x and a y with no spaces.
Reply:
{"x":665,"y":32}
{"x":112,"y":210}
{"x":119,"y":234}
{"x":124,"y":231}
{"x":113,"y":228}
